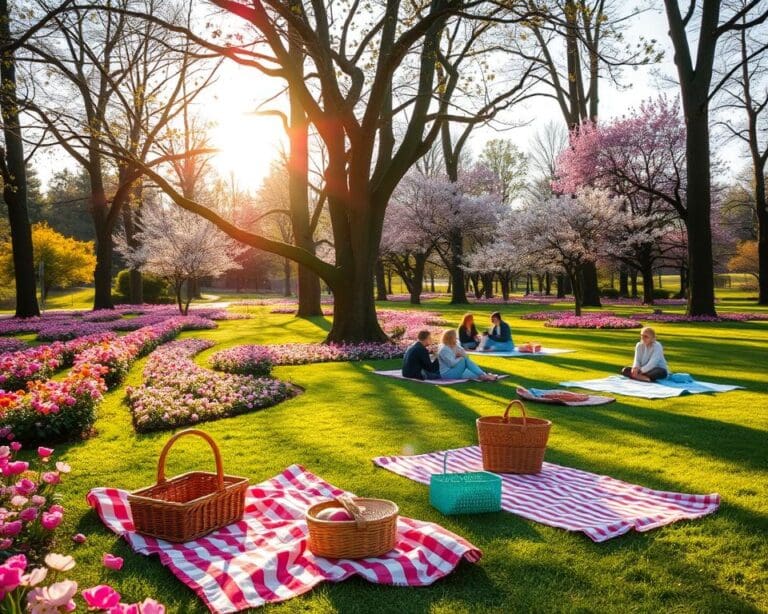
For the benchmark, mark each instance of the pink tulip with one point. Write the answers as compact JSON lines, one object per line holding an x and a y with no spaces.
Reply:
{"x":37,"y":500}
{"x":13,"y":528}
{"x":10,"y":578}
{"x":5,"y":544}
{"x":44,"y":452}
{"x":56,"y":508}
{"x":101,"y":597}
{"x":15,"y":468}
{"x":51,"y":477}
{"x":25,"y":487}
{"x":63,"y":467}
{"x":15,"y":445}
{"x":18,"y":561}
{"x":51,"y":520}
{"x":28,"y":514}
{"x":112,"y":562}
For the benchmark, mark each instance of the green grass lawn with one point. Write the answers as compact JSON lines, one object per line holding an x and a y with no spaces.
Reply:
{"x":697,"y":444}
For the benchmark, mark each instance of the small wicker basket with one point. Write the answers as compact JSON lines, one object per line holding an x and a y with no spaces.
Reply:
{"x":513,"y":445}
{"x":373,"y":531}
{"x":475,"y":492}
{"x":190,"y":505}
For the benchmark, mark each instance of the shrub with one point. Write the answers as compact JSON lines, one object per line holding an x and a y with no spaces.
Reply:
{"x":661,"y":293}
{"x":609,"y":292}
{"x":155,"y":289}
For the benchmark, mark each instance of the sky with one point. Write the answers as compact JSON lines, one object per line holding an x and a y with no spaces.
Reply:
{"x":249,"y":142}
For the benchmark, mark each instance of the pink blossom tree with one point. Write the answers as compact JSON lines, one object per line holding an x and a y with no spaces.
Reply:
{"x":641,"y":158}
{"x":425,"y":213}
{"x":568,"y":232}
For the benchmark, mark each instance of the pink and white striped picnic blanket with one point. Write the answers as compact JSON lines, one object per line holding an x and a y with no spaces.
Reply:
{"x":598,"y":505}
{"x":264,"y":558}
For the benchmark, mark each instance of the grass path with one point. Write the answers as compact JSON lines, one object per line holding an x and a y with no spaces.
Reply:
{"x":346,"y":416}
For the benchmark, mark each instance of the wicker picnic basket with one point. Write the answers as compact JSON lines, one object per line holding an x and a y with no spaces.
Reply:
{"x":513,"y":444}
{"x":190,"y":505}
{"x":474,"y":492}
{"x":373,"y":531}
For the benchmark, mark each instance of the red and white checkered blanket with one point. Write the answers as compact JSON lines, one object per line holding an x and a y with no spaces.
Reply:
{"x":598,"y":505}
{"x":264,"y":558}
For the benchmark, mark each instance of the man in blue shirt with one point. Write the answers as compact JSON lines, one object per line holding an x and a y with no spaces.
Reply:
{"x":417,"y":363}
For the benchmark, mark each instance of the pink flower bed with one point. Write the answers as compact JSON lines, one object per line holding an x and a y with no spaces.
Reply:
{"x":9,"y":345}
{"x":29,"y":514}
{"x":53,"y":410}
{"x":675,"y":318}
{"x":61,"y":326}
{"x":36,"y":363}
{"x":178,"y":392}
{"x":592,"y":321}
{"x":425,"y":296}
{"x":259,"y":359}
{"x":638,"y":301}
{"x":291,"y":309}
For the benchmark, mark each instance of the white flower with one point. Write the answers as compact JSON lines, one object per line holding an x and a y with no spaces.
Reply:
{"x":59,"y":562}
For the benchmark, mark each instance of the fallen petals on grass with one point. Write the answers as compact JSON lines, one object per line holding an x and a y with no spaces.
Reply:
{"x":178,"y":392}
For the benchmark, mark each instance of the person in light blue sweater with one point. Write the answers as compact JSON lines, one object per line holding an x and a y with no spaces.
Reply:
{"x":499,"y":337}
{"x":649,"y":364}
{"x":454,"y":363}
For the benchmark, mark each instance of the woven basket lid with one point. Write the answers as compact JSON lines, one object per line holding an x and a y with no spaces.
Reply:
{"x":372,"y":509}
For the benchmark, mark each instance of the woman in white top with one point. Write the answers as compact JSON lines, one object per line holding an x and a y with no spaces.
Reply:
{"x":454,"y":363}
{"x":649,"y":364}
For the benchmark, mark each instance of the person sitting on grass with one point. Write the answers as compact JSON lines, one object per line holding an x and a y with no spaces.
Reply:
{"x":454,"y":363}
{"x":468,"y":335}
{"x":417,"y":363}
{"x":499,"y":337}
{"x":650,"y":364}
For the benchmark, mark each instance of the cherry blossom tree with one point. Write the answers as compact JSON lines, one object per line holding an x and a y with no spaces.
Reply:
{"x":641,"y":158}
{"x":179,"y":246}
{"x":502,"y":258}
{"x":568,"y":232}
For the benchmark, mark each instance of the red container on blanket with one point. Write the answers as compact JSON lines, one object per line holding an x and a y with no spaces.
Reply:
{"x":190,"y":505}
{"x":513,"y":444}
{"x":371,"y":532}
{"x":529,"y":348}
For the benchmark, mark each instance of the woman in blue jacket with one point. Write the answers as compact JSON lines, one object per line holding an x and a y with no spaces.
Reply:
{"x":499,"y":337}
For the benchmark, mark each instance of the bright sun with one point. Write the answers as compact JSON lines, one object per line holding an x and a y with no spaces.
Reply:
{"x":249,"y":143}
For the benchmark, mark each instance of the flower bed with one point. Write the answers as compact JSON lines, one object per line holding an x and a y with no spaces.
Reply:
{"x":29,"y":513}
{"x":259,"y":359}
{"x":62,"y":326}
{"x":9,"y":345}
{"x":55,"y":410}
{"x":18,"y":368}
{"x":592,"y":321}
{"x":178,"y":392}
{"x":675,"y":318}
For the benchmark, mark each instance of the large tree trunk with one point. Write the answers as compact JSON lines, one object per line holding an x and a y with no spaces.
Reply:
{"x":458,"y":294}
{"x":683,"y":281}
{"x":504,"y":280}
{"x":590,"y":286}
{"x":633,"y":282}
{"x":647,"y":274}
{"x":561,"y":286}
{"x":354,"y":310}
{"x":136,"y":283}
{"x":487,"y":285}
{"x":623,"y":282}
{"x":417,"y":280}
{"x":381,"y":281}
{"x":298,"y":185}
{"x":102,"y":275}
{"x":762,"y":252}
{"x":286,"y":277}
{"x":576,"y":281}
{"x":15,"y":180}
{"x":701,"y":281}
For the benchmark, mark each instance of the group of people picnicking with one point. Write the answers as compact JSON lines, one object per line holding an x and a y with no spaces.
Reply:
{"x":452,"y":361}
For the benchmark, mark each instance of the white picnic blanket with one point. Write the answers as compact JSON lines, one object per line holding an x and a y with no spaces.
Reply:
{"x":661,"y":389}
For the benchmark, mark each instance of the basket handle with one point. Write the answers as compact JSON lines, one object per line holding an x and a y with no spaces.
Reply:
{"x":522,"y":410}
{"x":211,"y":442}
{"x":354,"y":510}
{"x":445,"y":463}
